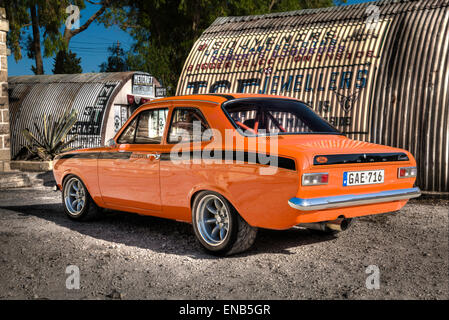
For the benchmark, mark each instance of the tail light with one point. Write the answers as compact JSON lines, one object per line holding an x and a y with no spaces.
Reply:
{"x":315,"y":179}
{"x":409,"y":172}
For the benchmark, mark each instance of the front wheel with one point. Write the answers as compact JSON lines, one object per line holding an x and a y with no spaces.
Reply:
{"x":218,"y":226}
{"x":78,"y":204}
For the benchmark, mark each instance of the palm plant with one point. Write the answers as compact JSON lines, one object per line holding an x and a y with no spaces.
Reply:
{"x":51,"y":140}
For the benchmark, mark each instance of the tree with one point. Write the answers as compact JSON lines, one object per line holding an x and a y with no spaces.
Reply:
{"x":69,"y":33}
{"x":23,"y":14}
{"x":45,"y":17}
{"x":165,"y":30}
{"x":66,"y":62}
{"x":117,"y":61}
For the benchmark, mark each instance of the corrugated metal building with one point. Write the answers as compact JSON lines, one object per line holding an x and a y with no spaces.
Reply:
{"x":104,"y":101}
{"x":379,"y":71}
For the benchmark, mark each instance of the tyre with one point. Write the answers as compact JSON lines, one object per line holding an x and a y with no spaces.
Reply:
{"x":218,"y":226}
{"x":77,"y":202}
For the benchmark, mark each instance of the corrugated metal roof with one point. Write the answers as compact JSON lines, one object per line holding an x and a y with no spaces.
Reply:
{"x":397,"y":95}
{"x":281,"y":20}
{"x":73,"y":78}
{"x":91,"y":94}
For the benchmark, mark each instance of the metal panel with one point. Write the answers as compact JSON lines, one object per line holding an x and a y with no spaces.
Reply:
{"x":91,"y":94}
{"x":388,"y":85}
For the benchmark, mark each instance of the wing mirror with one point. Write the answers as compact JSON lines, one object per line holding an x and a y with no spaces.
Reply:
{"x":110,"y":143}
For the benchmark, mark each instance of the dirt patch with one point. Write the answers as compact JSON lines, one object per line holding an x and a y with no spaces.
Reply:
{"x":127,"y":256}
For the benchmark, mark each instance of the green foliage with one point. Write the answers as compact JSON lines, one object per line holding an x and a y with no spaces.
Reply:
{"x":18,"y":15}
{"x":51,"y":140}
{"x":165,"y":30}
{"x":117,"y":60}
{"x":51,"y":16}
{"x":66,"y":63}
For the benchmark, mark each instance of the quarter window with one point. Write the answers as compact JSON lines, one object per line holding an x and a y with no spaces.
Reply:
{"x":187,"y":125}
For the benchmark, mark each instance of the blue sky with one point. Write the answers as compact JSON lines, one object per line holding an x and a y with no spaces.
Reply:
{"x":90,"y":45}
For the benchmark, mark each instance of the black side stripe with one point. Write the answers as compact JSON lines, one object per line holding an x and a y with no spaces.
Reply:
{"x":247,"y":157}
{"x":115,"y":155}
{"x":97,"y":155}
{"x":82,"y":155}
{"x":359,"y":158}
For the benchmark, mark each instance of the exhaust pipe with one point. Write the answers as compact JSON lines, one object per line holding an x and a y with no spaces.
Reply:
{"x":340,"y":224}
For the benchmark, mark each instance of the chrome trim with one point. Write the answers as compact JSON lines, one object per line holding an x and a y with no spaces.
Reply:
{"x":351,"y":200}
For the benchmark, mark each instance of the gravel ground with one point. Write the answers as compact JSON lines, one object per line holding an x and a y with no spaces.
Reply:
{"x":127,"y":256}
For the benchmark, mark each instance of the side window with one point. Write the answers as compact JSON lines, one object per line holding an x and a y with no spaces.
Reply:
{"x":127,"y":136}
{"x":150,"y":127}
{"x":187,"y":125}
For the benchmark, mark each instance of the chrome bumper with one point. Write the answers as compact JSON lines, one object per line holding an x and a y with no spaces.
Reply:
{"x":351,"y":200}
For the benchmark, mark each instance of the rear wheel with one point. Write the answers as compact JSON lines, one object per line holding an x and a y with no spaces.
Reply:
{"x":78,"y":204}
{"x":218,"y":226}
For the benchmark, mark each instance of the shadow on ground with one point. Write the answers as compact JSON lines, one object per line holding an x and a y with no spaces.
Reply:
{"x":163,"y":235}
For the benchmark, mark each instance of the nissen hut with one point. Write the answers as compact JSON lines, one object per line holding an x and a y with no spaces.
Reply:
{"x":104,"y":101}
{"x":378,"y":71}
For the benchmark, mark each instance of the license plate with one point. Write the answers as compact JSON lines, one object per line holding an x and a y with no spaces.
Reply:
{"x":357,"y":178}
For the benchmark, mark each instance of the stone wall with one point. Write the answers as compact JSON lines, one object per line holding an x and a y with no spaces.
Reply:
{"x":5,"y":154}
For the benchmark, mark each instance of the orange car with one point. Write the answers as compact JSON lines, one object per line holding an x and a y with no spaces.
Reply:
{"x":230,"y":164}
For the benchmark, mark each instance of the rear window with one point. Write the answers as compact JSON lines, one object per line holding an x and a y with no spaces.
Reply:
{"x":259,"y":116}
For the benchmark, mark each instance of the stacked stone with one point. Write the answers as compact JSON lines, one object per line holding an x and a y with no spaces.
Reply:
{"x":5,"y":155}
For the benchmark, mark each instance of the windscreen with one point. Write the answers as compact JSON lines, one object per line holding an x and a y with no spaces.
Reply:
{"x":259,"y":116}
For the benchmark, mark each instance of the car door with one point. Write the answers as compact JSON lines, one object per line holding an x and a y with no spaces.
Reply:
{"x":181,"y":169}
{"x":128,"y":173}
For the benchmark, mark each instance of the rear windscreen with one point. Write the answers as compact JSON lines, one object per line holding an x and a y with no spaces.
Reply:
{"x":258,"y":116}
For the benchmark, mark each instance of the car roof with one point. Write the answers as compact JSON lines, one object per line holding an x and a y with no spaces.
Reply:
{"x":217,"y":97}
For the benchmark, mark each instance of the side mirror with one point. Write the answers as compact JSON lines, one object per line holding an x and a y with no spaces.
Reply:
{"x":110,"y":143}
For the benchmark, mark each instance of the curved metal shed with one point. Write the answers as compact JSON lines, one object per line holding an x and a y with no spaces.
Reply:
{"x":379,"y":71}
{"x":101,"y":100}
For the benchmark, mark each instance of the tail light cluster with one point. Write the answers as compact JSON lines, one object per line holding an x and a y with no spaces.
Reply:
{"x":409,"y":172}
{"x":315,"y":179}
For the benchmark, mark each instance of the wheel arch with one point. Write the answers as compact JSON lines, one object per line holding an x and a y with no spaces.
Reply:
{"x":195,"y":192}
{"x":98,"y":201}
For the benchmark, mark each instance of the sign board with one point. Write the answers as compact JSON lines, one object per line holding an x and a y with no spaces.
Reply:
{"x":161,"y":92}
{"x":331,"y":67}
{"x":143,"y":85}
{"x":90,"y":118}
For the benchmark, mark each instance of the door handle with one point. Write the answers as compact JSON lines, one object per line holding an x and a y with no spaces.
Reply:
{"x":156,"y":156}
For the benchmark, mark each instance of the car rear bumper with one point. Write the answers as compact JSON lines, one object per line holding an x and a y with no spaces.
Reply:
{"x":351,"y":200}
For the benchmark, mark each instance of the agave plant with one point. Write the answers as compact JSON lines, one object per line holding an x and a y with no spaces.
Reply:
{"x":51,"y":140}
